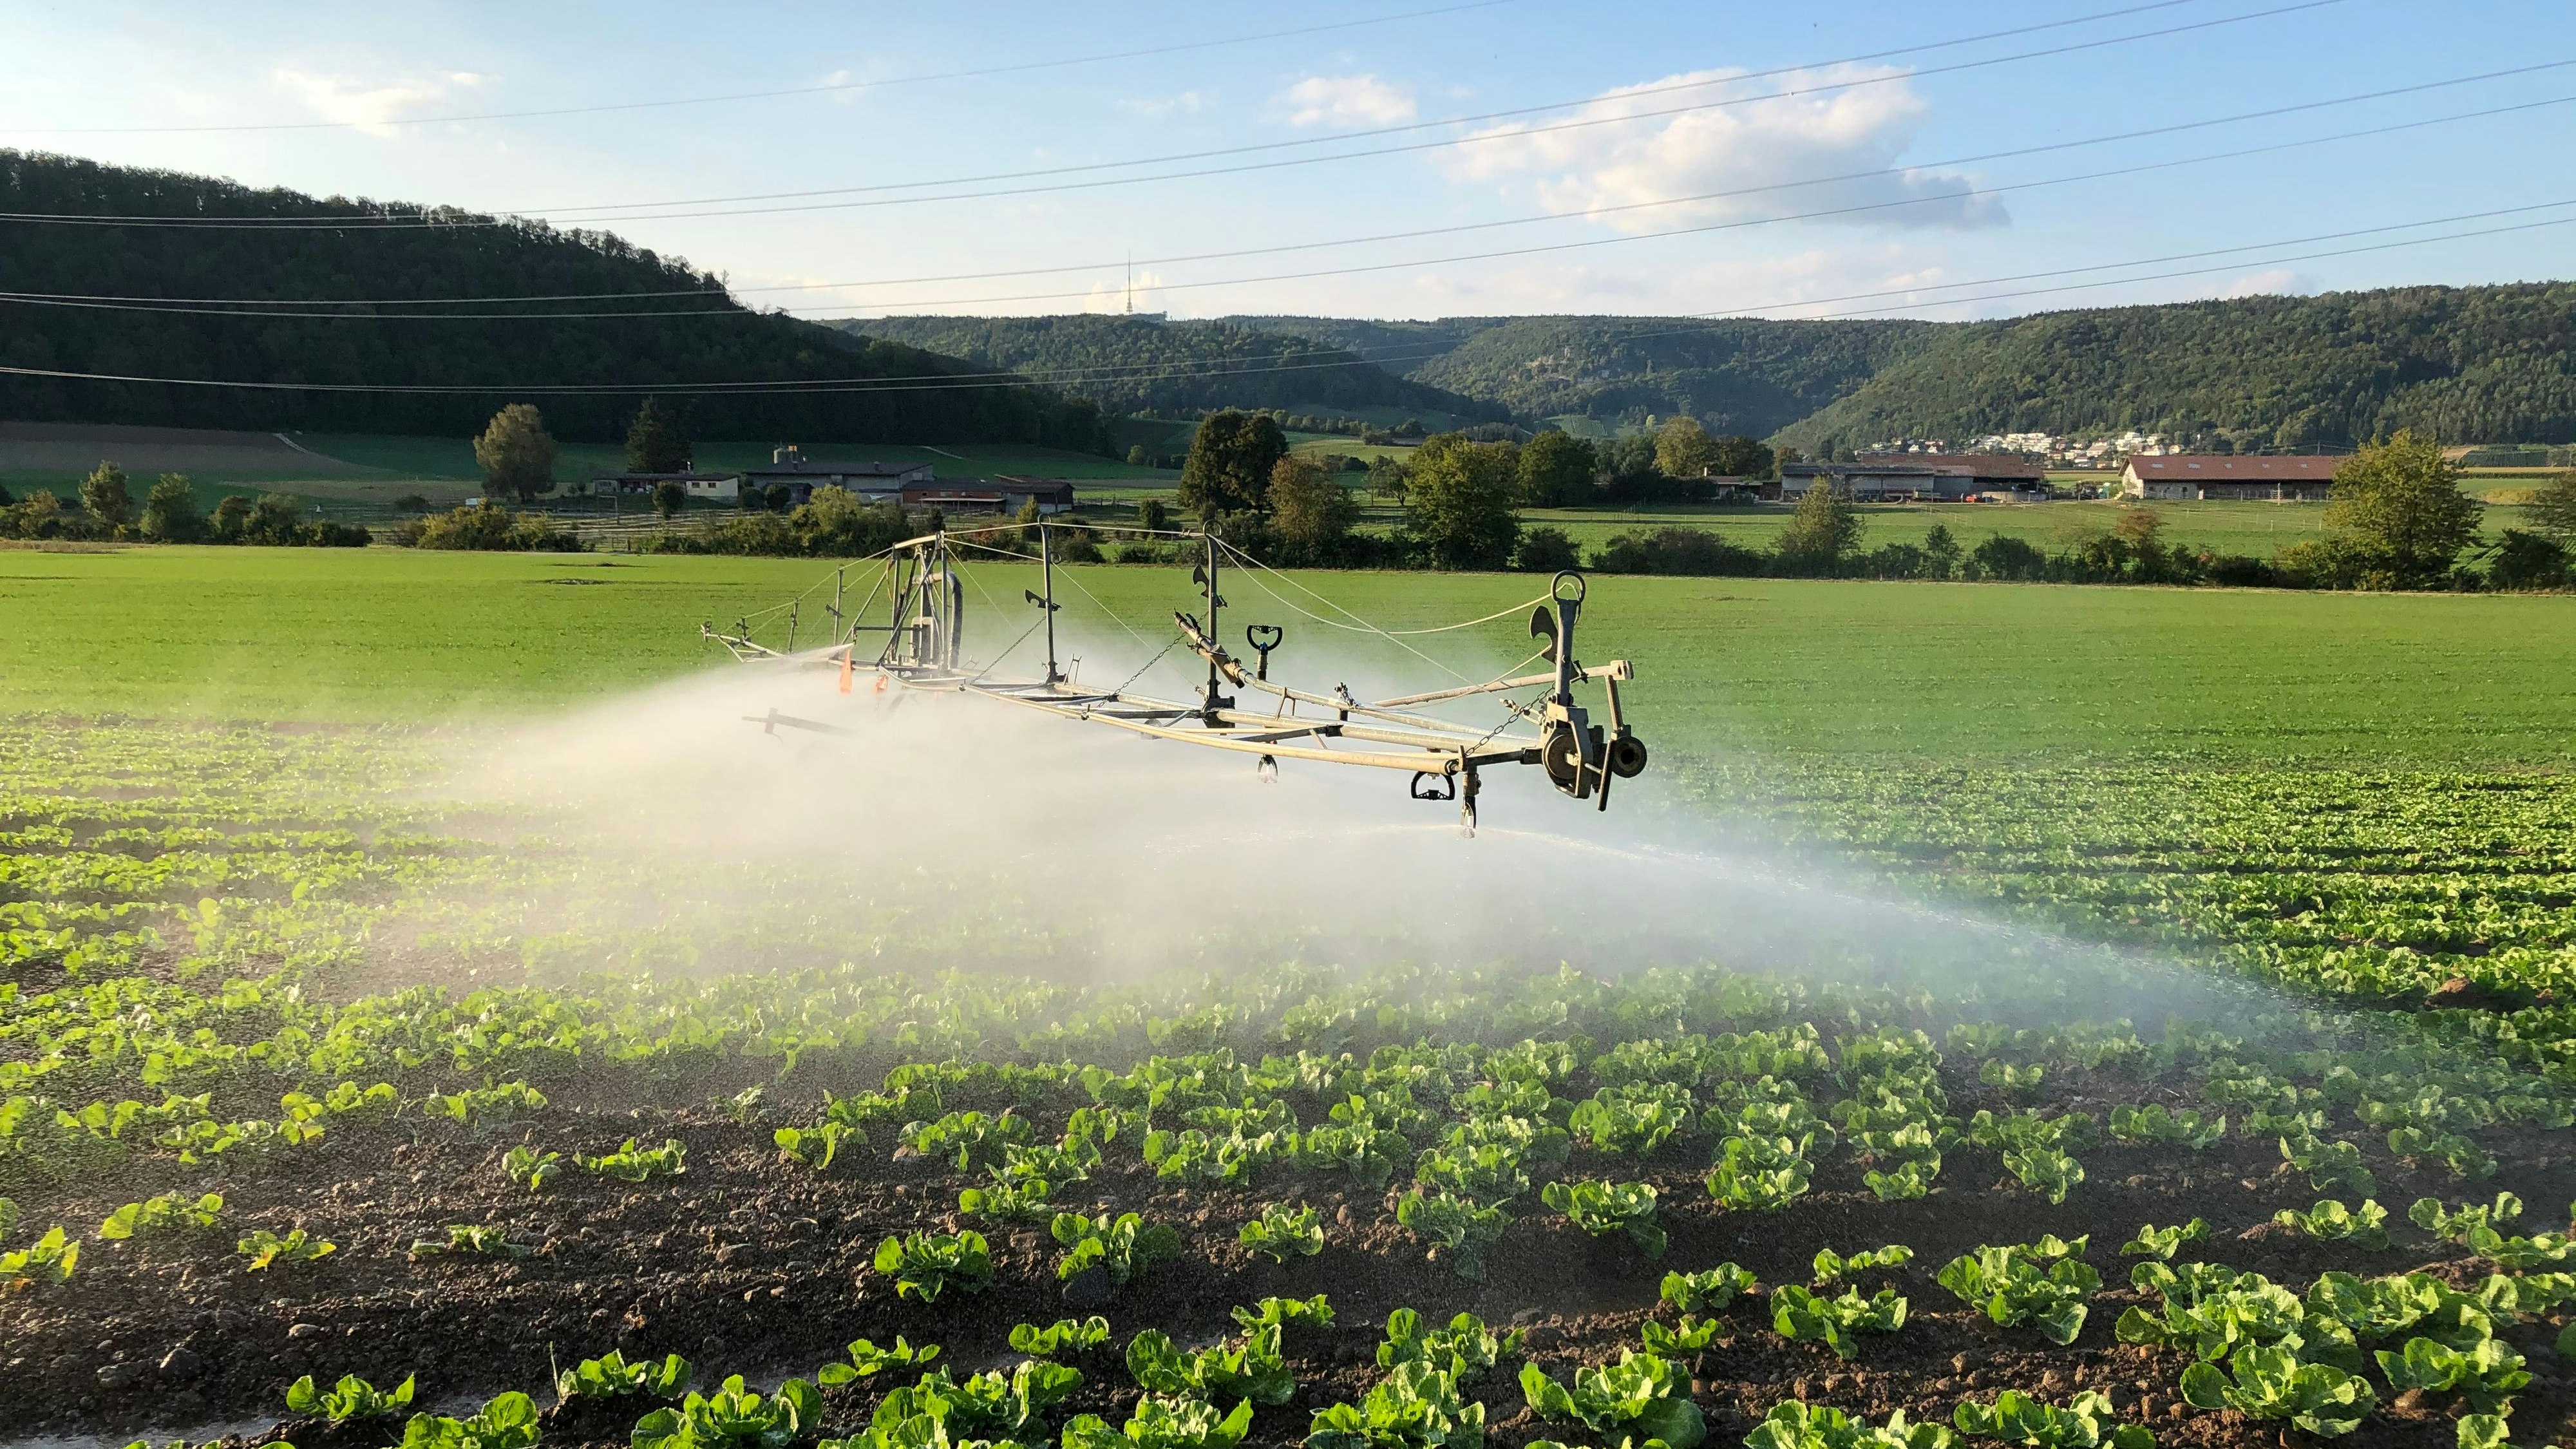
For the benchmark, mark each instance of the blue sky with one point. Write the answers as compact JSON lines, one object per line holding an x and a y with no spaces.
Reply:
{"x":94,"y":78}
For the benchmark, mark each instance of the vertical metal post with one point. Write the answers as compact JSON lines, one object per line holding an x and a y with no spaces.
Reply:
{"x":1046,"y":566}
{"x":1213,"y":700}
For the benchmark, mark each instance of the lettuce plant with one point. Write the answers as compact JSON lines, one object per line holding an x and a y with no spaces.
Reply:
{"x":2330,"y":1221}
{"x":1416,"y":1406}
{"x":531,"y":1169}
{"x":1796,"y":1425}
{"x":1058,"y":1339}
{"x":2046,"y":1171}
{"x":1604,"y":1208}
{"x":506,"y":1421}
{"x":1714,"y":1288}
{"x":351,"y":1398}
{"x":630,"y":1163}
{"x":1161,"y":1423}
{"x":1120,"y":1247}
{"x":611,"y":1376}
{"x":1252,"y":1369}
{"x":814,"y":1146}
{"x":50,"y":1258}
{"x":2485,"y":1375}
{"x":2163,"y":1243}
{"x":1284,"y":1313}
{"x":1689,"y":1336}
{"x":866,"y":1360}
{"x":2212,"y":1310}
{"x":1833,"y":1267}
{"x":2155,"y":1124}
{"x":265,"y":1249}
{"x":2044,"y":1284}
{"x":479,"y":1109}
{"x":925,"y":1265}
{"x":1464,"y":1350}
{"x":733,"y":1417}
{"x":2017,"y":1418}
{"x":1021,"y":1200}
{"x":1455,"y":1226}
{"x":2264,"y":1382}
{"x":166,"y":1212}
{"x":1639,"y":1398}
{"x":1804,"y":1317}
{"x":1759,"y":1174}
{"x":1282,"y":1232}
{"x":1903,"y":1182}
{"x":476,"y":1238}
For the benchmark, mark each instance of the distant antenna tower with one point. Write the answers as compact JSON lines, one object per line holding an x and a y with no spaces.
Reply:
{"x":1131,"y":282}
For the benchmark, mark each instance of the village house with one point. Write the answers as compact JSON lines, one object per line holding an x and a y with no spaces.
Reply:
{"x":2303,"y":478}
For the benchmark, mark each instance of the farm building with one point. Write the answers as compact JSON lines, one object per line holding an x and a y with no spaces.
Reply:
{"x":1053,"y":495}
{"x":1950,"y":478}
{"x":710,"y":487}
{"x":876,"y":482}
{"x":2305,"y":479}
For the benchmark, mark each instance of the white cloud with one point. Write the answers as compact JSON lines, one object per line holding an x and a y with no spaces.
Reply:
{"x":1155,"y":108}
{"x":371,"y":105}
{"x":1349,"y":100}
{"x":2277,"y":282}
{"x":1740,"y":158}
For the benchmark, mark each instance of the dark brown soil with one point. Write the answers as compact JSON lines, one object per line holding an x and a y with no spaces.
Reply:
{"x":750,"y":1265}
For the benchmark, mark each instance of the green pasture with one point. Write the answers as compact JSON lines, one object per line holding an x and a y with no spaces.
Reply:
{"x":1907,"y":672}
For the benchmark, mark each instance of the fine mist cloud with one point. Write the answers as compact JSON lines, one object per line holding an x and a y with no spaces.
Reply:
{"x":1028,"y":839}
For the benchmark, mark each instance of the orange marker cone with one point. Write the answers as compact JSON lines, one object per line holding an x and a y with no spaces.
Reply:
{"x":845,"y":670}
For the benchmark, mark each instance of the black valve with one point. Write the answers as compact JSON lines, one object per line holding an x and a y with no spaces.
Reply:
{"x":1263,"y":638}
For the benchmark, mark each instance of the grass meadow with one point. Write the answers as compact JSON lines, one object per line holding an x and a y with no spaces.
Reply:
{"x":1918,"y":672}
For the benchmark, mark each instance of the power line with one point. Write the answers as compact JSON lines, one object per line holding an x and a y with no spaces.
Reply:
{"x":644,"y":211}
{"x":1020,"y":68}
{"x":1371,"y":239}
{"x":975,"y":381}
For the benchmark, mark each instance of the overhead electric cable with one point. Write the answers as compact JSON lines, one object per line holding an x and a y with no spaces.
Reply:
{"x":644,"y":211}
{"x":832,"y":88}
{"x":1590,"y":214}
{"x":920,"y":384}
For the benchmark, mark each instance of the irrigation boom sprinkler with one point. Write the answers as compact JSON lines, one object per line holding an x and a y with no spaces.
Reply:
{"x":922,"y":646}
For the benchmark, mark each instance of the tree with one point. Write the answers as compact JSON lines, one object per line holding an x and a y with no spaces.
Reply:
{"x":1458,"y":501}
{"x":1151,"y":514}
{"x":1940,"y":552}
{"x":1683,"y":449}
{"x":654,"y":442}
{"x":2399,"y":499}
{"x":669,"y":497}
{"x":1309,"y":512}
{"x":1556,"y":470}
{"x":837,"y":523}
{"x":104,"y":494}
{"x":1545,"y":551}
{"x":1823,"y":530}
{"x":1741,"y":457}
{"x":231,"y":512}
{"x":1137,"y":456}
{"x":516,"y":454}
{"x":170,"y":511}
{"x":1228,"y":469}
{"x":2553,"y":507}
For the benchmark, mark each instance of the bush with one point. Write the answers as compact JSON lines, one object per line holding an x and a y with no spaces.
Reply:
{"x":2527,"y":561}
{"x":2001,"y":557}
{"x":2239,"y":571}
{"x":482,"y":526}
{"x":1682,"y":551}
{"x":2335,"y":563}
{"x":1545,"y":551}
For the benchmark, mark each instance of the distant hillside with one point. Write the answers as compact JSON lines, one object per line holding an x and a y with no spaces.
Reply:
{"x":2483,"y":364}
{"x":463,"y":259}
{"x":1147,"y":364}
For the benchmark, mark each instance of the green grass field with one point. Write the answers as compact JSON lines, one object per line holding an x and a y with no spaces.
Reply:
{"x":1928,"y":673}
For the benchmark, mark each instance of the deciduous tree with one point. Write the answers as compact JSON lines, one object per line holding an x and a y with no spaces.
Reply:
{"x":1683,"y":449}
{"x":669,"y":497}
{"x":1823,"y":530}
{"x":1556,"y":470}
{"x":170,"y":512}
{"x":1228,"y":469}
{"x":104,"y":494}
{"x":516,"y":454}
{"x":1458,"y":501}
{"x":1309,"y":512}
{"x":2400,"y":499}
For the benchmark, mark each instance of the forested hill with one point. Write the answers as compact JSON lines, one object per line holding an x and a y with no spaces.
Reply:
{"x":1147,"y":364}
{"x":2475,"y":364}
{"x":2483,"y":364}
{"x":464,"y":255}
